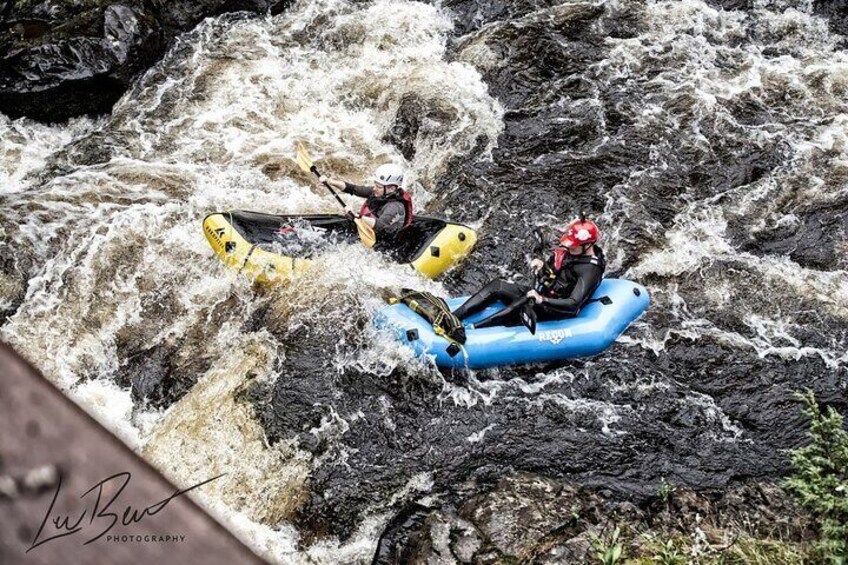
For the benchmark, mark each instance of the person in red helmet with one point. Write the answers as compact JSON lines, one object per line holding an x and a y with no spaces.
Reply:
{"x":565,"y":282}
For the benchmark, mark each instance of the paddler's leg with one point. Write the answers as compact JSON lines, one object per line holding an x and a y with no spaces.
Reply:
{"x":496,"y":291}
{"x":509,"y":316}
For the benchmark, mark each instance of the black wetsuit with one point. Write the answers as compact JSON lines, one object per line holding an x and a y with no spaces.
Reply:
{"x":390,"y":211}
{"x":566,"y":291}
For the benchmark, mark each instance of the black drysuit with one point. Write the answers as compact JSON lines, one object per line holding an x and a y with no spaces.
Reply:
{"x":566,"y":291}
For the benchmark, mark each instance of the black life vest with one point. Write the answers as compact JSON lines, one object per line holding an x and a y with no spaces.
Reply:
{"x":373,"y":204}
{"x":557,"y":279}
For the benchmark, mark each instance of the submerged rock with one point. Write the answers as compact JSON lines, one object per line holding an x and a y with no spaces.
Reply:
{"x":417,"y":114}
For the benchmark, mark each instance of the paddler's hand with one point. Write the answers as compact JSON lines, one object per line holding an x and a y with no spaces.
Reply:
{"x":535,"y":296}
{"x":337,"y":184}
{"x":349,"y":212}
{"x":536,"y":265}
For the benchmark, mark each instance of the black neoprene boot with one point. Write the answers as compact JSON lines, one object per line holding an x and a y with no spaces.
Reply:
{"x":474,"y":304}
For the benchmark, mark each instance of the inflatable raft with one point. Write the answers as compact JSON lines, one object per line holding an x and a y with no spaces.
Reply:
{"x":271,"y":248}
{"x":614,"y":306}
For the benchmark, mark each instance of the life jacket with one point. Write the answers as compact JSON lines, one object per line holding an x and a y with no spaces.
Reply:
{"x":373,"y":204}
{"x":557,"y":278}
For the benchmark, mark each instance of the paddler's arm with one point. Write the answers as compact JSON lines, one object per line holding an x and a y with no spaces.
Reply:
{"x":362,"y":192}
{"x":356,"y":190}
{"x":344,"y":186}
{"x":337,"y":184}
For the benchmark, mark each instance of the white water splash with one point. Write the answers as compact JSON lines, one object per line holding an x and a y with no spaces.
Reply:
{"x":26,"y":145}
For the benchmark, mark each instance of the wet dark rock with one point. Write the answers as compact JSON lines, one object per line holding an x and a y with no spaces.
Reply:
{"x":471,"y":15}
{"x":418,"y":533}
{"x":402,"y":536}
{"x":183,"y":15}
{"x":545,"y":47}
{"x":314,"y":401}
{"x":553,"y":159}
{"x":81,"y":66}
{"x":16,"y":268}
{"x":835,"y":11}
{"x":814,"y":237}
{"x":63,"y":59}
{"x":729,"y":5}
{"x":518,"y":513}
{"x":159,"y":375}
{"x":93,"y":149}
{"x":740,"y":428}
{"x":148,"y":373}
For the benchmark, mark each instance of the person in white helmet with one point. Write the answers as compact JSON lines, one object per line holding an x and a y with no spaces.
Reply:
{"x":387,"y":207}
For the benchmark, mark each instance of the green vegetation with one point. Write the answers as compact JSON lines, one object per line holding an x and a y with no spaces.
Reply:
{"x":678,"y":549}
{"x":752,"y":551}
{"x":668,"y":553}
{"x":665,"y":491}
{"x":820,"y":481}
{"x":608,"y":550}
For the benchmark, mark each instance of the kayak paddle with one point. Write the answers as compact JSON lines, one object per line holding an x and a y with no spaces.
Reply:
{"x":366,"y":232}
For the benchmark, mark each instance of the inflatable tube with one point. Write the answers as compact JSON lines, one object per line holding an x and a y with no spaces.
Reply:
{"x":273,"y":249}
{"x":614,"y":306}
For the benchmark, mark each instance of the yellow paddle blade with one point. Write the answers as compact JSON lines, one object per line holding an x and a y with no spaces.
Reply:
{"x":366,"y":232}
{"x":304,"y":165}
{"x":303,"y":159}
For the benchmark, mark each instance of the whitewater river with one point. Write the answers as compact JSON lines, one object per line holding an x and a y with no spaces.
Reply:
{"x":710,"y":144}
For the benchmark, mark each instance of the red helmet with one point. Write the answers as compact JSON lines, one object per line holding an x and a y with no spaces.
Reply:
{"x":580,"y":232}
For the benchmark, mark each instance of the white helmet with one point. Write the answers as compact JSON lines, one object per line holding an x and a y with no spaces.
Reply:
{"x":389,"y":174}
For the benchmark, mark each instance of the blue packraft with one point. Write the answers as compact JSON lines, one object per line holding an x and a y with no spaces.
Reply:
{"x":614,"y":306}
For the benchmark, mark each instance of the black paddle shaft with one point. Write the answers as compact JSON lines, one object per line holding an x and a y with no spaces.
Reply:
{"x":314,"y":169}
